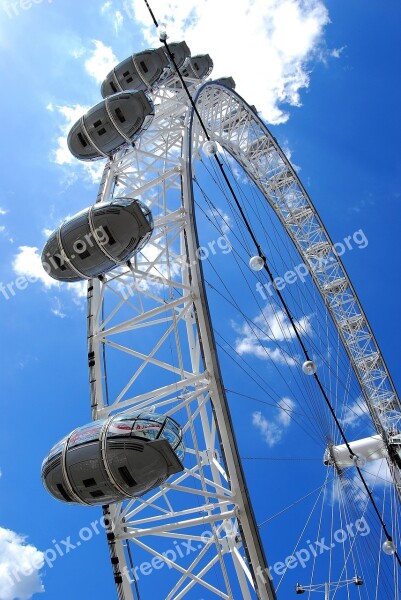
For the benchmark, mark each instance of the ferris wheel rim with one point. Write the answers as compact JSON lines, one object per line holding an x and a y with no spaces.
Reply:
{"x":390,"y":456}
{"x":378,"y":425}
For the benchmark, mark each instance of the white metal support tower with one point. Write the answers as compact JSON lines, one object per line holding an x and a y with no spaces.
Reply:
{"x":151,"y":321}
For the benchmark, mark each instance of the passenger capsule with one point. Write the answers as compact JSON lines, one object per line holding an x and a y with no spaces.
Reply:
{"x":227,"y":81}
{"x":138,"y":72}
{"x":113,"y":459}
{"x":97,"y":239}
{"x":113,"y":122}
{"x":197,"y":67}
{"x":143,"y":70}
{"x":180,"y":52}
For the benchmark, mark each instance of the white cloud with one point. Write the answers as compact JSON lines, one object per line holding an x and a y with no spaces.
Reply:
{"x":70,"y":115}
{"x":61,"y":154}
{"x":270,"y":431}
{"x":3,"y":229}
{"x":57,"y":309}
{"x":101,"y":61}
{"x":47,"y":232}
{"x":286,"y":406}
{"x":27,"y":262}
{"x":118,"y":18}
{"x":376,"y":474}
{"x":221,"y":219}
{"x":273,"y":430}
{"x":336,"y":52}
{"x":354,"y":412}
{"x":269,"y":326}
{"x":266,"y":45}
{"x":78,"y":51}
{"x":118,"y":21}
{"x":20,"y":564}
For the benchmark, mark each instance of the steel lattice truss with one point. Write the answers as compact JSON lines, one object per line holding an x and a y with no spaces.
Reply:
{"x":231,"y":122}
{"x":153,"y":312}
{"x":237,"y":128}
{"x":151,"y":318}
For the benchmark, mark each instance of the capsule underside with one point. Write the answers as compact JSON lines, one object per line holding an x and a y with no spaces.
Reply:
{"x":109,"y":461}
{"x":120,"y":228}
{"x":106,"y":127}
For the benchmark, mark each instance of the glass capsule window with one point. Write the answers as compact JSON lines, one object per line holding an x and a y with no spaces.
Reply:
{"x":85,"y":434}
{"x":180,"y":450}
{"x":121,"y":425}
{"x":149,"y":426}
{"x":128,"y":202}
{"x":145,"y":428}
{"x":57,"y":449}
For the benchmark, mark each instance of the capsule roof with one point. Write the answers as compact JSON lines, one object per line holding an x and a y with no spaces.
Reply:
{"x":144,"y":69}
{"x":113,"y":122}
{"x":227,"y":81}
{"x":138,"y":72}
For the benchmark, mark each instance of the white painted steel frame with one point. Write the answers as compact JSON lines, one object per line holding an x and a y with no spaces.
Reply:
{"x":163,"y":288}
{"x":156,"y":170}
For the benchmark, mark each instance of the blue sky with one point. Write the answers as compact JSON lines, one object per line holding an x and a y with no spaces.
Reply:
{"x":331,"y":99}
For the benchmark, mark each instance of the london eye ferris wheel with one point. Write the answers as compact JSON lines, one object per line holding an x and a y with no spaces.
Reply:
{"x":186,"y":156}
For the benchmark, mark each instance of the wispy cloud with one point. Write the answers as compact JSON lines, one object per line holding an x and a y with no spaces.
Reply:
{"x":353,"y":413}
{"x":269,"y":328}
{"x":116,"y":15}
{"x":376,"y":474}
{"x":221,"y":219}
{"x":118,"y":21}
{"x":67,"y":116}
{"x":336,"y":52}
{"x":3,"y":229}
{"x":101,"y":60}
{"x":268,"y":46}
{"x":272,"y":430}
{"x":20,"y":565}
{"x":97,"y":62}
{"x":28,"y":262}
